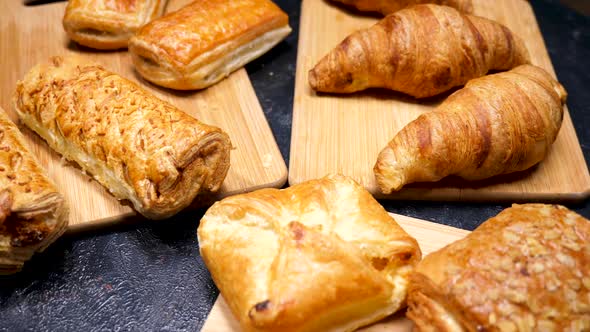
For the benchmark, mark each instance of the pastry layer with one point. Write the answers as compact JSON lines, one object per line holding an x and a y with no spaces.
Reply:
{"x":224,"y":60}
{"x":139,"y":147}
{"x":204,"y":42}
{"x":497,"y":124}
{"x":108,"y":24}
{"x":319,"y":256}
{"x":526,"y":269}
{"x":422,"y":51}
{"x":33,"y":214}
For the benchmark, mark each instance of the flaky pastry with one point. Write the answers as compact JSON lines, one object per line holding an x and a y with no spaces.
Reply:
{"x":108,"y":24}
{"x":141,"y":148}
{"x":318,"y":256}
{"x":204,"y":42}
{"x":33,"y":214}
{"x":497,"y":124}
{"x":422,"y":51}
{"x":527,"y":269}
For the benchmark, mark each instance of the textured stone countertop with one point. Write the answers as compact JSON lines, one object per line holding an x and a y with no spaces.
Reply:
{"x":149,"y":276}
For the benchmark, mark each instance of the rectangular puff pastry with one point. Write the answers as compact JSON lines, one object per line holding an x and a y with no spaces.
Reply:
{"x":141,"y":148}
{"x":33,"y":214}
{"x":204,"y":42}
{"x":108,"y":24}
{"x":527,"y":269}
{"x":318,"y":256}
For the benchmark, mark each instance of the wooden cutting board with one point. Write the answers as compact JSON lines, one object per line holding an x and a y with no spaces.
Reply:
{"x":344,"y":134}
{"x":430,"y":237}
{"x":32,"y":34}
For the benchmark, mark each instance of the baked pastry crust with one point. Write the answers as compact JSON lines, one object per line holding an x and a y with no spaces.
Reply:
{"x":496,"y":124}
{"x":108,"y":24}
{"x":202,"y":43}
{"x":33,"y":214}
{"x":422,"y":51}
{"x":527,"y":269}
{"x":139,"y":147}
{"x":318,"y":256}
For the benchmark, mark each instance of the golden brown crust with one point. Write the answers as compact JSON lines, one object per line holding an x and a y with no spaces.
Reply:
{"x":108,"y":24}
{"x":205,"y":41}
{"x":319,"y":256}
{"x":422,"y":51}
{"x":497,"y":124}
{"x":32,"y":212}
{"x":141,"y":148}
{"x":386,"y":7}
{"x":527,"y":269}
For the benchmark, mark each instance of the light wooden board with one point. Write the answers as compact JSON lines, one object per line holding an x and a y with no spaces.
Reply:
{"x":32,"y":34}
{"x":430,"y":237}
{"x":344,"y":134}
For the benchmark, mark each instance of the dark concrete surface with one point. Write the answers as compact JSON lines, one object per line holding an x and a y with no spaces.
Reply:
{"x":149,"y":275}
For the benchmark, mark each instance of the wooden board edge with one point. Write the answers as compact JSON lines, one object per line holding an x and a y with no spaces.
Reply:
{"x":100,"y":224}
{"x":411,"y":223}
{"x":134,"y":217}
{"x":280,"y":166}
{"x":470,"y":195}
{"x":467,"y":195}
{"x":220,"y":318}
{"x":295,"y":109}
{"x":278,"y":183}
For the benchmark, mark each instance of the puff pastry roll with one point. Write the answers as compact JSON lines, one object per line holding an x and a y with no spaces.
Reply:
{"x":108,"y":24}
{"x":33,"y":213}
{"x":204,"y":42}
{"x":318,"y":256}
{"x":527,"y":269}
{"x":141,"y":148}
{"x":386,"y":7}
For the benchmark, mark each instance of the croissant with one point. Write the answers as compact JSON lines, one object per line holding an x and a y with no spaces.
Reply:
{"x":422,"y":51}
{"x":33,"y":214}
{"x":139,"y":147}
{"x":496,"y":124}
{"x":386,"y":7}
{"x":526,"y":269}
{"x":322,"y":255}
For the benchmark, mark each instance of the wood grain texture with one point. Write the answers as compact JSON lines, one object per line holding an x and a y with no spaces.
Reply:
{"x":430,"y":237}
{"x":29,"y":35}
{"x":344,"y":133}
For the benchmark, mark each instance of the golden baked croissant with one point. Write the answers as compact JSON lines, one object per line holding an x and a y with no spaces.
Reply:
{"x":108,"y":24}
{"x":422,"y":51}
{"x":139,"y":147}
{"x":33,"y":214}
{"x":322,"y":255}
{"x":386,"y":7}
{"x":527,"y":269}
{"x":495,"y":125}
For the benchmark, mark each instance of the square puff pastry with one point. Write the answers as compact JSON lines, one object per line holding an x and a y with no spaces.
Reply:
{"x":108,"y":24}
{"x":319,"y":256}
{"x":202,"y":43}
{"x":527,"y":269}
{"x":33,"y":214}
{"x":141,"y":148}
